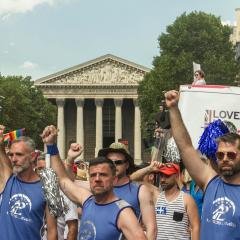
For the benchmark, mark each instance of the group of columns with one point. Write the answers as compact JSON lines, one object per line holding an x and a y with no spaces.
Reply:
{"x":99,"y":126}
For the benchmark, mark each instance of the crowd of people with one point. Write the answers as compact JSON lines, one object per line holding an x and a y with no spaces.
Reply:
{"x":110,"y":199}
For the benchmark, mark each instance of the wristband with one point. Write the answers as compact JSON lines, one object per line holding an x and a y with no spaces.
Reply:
{"x":52,"y":150}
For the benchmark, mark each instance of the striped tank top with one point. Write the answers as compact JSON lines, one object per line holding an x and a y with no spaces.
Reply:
{"x":172,"y":219}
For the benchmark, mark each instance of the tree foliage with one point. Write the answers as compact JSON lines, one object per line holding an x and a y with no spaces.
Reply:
{"x":24,"y":106}
{"x":196,"y":37}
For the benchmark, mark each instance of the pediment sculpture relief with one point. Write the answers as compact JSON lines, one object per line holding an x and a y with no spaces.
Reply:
{"x":106,"y":73}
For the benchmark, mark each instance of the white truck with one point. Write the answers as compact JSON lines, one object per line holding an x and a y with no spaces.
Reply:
{"x":200,"y":105}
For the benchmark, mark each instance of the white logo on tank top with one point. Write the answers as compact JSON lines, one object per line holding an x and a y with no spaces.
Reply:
{"x":223,"y":212}
{"x":20,"y":207}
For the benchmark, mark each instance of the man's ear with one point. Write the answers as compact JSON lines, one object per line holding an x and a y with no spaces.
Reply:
{"x":33,"y":156}
{"x":151,"y":176}
{"x":127,"y":164}
{"x":115,"y":179}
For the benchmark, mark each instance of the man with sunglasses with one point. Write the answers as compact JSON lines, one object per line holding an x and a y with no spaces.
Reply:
{"x":221,"y":207}
{"x":135,"y":194}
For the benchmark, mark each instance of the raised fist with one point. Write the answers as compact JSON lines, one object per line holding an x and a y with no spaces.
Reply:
{"x":49,"y":135}
{"x":74,"y":151}
{"x":172,"y":98}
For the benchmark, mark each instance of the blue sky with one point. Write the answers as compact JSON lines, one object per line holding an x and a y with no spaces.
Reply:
{"x":41,"y":37}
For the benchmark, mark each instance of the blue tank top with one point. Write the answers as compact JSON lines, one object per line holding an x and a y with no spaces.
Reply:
{"x":221,"y":211}
{"x":99,"y":221}
{"x":21,"y":210}
{"x":129,"y":192}
{"x":197,"y":195}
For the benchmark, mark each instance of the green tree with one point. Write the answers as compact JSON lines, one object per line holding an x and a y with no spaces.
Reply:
{"x":195,"y":37}
{"x":24,"y":106}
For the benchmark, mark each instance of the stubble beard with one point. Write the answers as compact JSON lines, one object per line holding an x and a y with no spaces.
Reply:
{"x":231,"y":172}
{"x":166,"y":187}
{"x":20,"y":169}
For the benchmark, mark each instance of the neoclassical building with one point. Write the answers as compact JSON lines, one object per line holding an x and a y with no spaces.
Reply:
{"x":235,"y":36}
{"x":97,"y":104}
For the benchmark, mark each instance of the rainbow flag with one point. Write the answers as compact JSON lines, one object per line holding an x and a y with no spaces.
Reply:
{"x":9,"y":137}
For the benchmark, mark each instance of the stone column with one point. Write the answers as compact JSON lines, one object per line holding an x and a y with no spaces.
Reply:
{"x":61,"y":126}
{"x":118,"y":119}
{"x":99,"y":125}
{"x":137,"y":134}
{"x":80,"y":127}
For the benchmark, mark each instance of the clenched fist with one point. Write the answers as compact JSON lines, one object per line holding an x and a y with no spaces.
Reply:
{"x":74,"y":151}
{"x":172,"y":98}
{"x":49,"y":135}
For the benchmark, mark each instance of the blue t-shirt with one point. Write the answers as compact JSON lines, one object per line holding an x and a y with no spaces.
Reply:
{"x":221,"y":211}
{"x":21,"y":210}
{"x":99,"y":221}
{"x":129,"y":192}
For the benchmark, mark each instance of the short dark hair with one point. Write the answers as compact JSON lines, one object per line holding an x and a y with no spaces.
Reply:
{"x":229,"y":138}
{"x":102,"y":160}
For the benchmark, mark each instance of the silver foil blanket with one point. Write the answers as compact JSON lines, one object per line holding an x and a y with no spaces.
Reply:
{"x":57,"y":206}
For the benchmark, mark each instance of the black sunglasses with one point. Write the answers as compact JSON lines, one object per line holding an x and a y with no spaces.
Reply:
{"x":119,"y":162}
{"x":230,"y":155}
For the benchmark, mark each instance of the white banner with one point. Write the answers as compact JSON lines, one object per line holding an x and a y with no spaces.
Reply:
{"x":201,"y":105}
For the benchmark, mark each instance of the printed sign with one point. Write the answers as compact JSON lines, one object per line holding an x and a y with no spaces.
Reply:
{"x":201,"y":105}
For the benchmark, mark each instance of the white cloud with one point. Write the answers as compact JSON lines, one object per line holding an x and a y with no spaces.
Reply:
{"x":8,"y":7}
{"x":229,"y":23}
{"x":29,"y":65}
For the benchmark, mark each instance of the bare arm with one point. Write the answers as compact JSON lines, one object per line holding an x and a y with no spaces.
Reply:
{"x":5,"y":164}
{"x":129,"y":225}
{"x":72,"y":229}
{"x":71,"y":219}
{"x":71,"y":190}
{"x":194,"y":220}
{"x":52,"y":233}
{"x":190,"y":156}
{"x":139,"y":174}
{"x":148,"y":212}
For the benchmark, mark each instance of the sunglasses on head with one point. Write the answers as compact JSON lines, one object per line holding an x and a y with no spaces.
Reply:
{"x":230,"y":155}
{"x":119,"y":162}
{"x":169,"y":165}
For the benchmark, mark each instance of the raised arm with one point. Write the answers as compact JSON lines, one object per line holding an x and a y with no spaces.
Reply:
{"x":199,"y":171}
{"x":139,"y":174}
{"x":5,"y":164}
{"x":71,"y":190}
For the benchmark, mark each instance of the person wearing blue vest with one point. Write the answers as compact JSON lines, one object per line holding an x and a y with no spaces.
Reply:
{"x":139,"y":196}
{"x":104,"y":215}
{"x":22,"y":206}
{"x":221,"y":207}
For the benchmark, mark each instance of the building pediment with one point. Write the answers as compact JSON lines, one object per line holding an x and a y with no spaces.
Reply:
{"x":107,"y":70}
